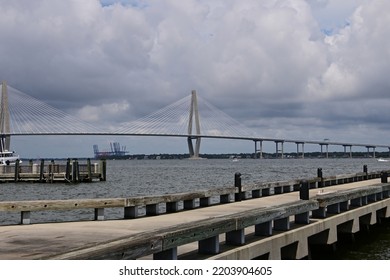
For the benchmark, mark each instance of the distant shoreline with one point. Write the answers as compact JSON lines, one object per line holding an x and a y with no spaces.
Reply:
{"x":224,"y":156}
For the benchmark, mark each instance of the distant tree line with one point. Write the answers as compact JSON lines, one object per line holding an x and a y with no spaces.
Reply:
{"x":239,"y":155}
{"x":265,"y":155}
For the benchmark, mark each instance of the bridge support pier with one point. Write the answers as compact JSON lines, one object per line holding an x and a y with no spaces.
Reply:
{"x":260,"y":149}
{"x":281,"y":148}
{"x":194,"y":117}
{"x":5,"y":138}
{"x":303,"y":149}
{"x":326,"y":145}
{"x":194,"y":153}
{"x":350,"y":150}
{"x":373,"y":151}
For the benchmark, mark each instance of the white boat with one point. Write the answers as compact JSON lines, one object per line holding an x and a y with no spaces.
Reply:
{"x":383,"y":160}
{"x":8,"y":158}
{"x":235,"y":159}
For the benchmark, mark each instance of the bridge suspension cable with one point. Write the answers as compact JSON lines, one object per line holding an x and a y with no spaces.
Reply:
{"x":28,"y":115}
{"x":21,"y":114}
{"x":170,"y":120}
{"x":174,"y":120}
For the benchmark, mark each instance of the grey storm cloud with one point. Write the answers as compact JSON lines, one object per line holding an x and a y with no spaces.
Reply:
{"x":284,"y":68}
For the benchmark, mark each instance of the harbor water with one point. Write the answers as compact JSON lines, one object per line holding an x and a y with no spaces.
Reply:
{"x":126,"y":178}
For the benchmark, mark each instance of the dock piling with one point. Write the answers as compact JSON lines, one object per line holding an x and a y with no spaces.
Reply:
{"x":304,"y":190}
{"x":170,"y":254}
{"x":189,"y":204}
{"x":320,"y":175}
{"x":51,"y":171}
{"x":131,"y":212}
{"x":282,"y":224}
{"x":263,"y":229}
{"x":75,"y":171}
{"x":103,"y":170}
{"x":365,"y":170}
{"x":17,"y":169}
{"x":41,"y":171}
{"x":99,"y":214}
{"x":89,"y":170}
{"x":237,"y":184}
{"x":204,"y":201}
{"x":384,"y":176}
{"x":235,"y":237}
{"x":302,"y":218}
{"x":172,"y":207}
{"x":67,"y":170}
{"x":25,"y":217}
{"x":152,"y":209}
{"x":209,"y":245}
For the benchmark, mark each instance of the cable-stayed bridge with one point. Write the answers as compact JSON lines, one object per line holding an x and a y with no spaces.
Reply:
{"x":191,"y":117}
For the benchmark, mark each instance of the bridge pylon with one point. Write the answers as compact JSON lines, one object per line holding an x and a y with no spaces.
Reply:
{"x":194,"y":118}
{"x":5,"y":138}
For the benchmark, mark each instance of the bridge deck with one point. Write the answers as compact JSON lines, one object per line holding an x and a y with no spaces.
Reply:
{"x":42,"y":241}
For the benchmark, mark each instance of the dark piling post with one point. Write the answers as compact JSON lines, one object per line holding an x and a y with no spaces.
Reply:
{"x":41,"y":171}
{"x":51,"y":171}
{"x":30,"y":164}
{"x":75,"y":171}
{"x":237,"y":184}
{"x":365,"y":170}
{"x":89,"y":170}
{"x":103,"y":170}
{"x":17,"y":170}
{"x":67,"y":170}
{"x":384,"y":176}
{"x":319,"y":175}
{"x":304,"y":190}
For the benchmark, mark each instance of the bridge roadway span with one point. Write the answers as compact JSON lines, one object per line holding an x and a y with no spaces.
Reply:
{"x":129,"y":237}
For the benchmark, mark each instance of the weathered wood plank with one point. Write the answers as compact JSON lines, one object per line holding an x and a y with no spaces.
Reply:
{"x":167,"y":238}
{"x":166,"y":198}
{"x":128,"y":248}
{"x":187,"y":233}
{"x":345,"y":195}
{"x":39,"y":205}
{"x":190,"y":232}
{"x":324,"y":200}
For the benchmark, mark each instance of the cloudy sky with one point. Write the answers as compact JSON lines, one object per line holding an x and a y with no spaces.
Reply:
{"x":298,"y":69}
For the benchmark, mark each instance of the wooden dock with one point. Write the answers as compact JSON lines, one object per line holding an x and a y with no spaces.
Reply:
{"x":50,"y":172}
{"x":273,"y":221}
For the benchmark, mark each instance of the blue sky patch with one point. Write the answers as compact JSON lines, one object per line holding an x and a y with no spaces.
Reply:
{"x":134,"y":3}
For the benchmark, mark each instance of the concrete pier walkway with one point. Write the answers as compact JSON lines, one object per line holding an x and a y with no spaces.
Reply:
{"x":74,"y":240}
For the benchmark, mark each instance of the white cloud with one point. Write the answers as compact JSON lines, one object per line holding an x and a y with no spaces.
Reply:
{"x":259,"y":61}
{"x":358,"y":55}
{"x":97,"y":114}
